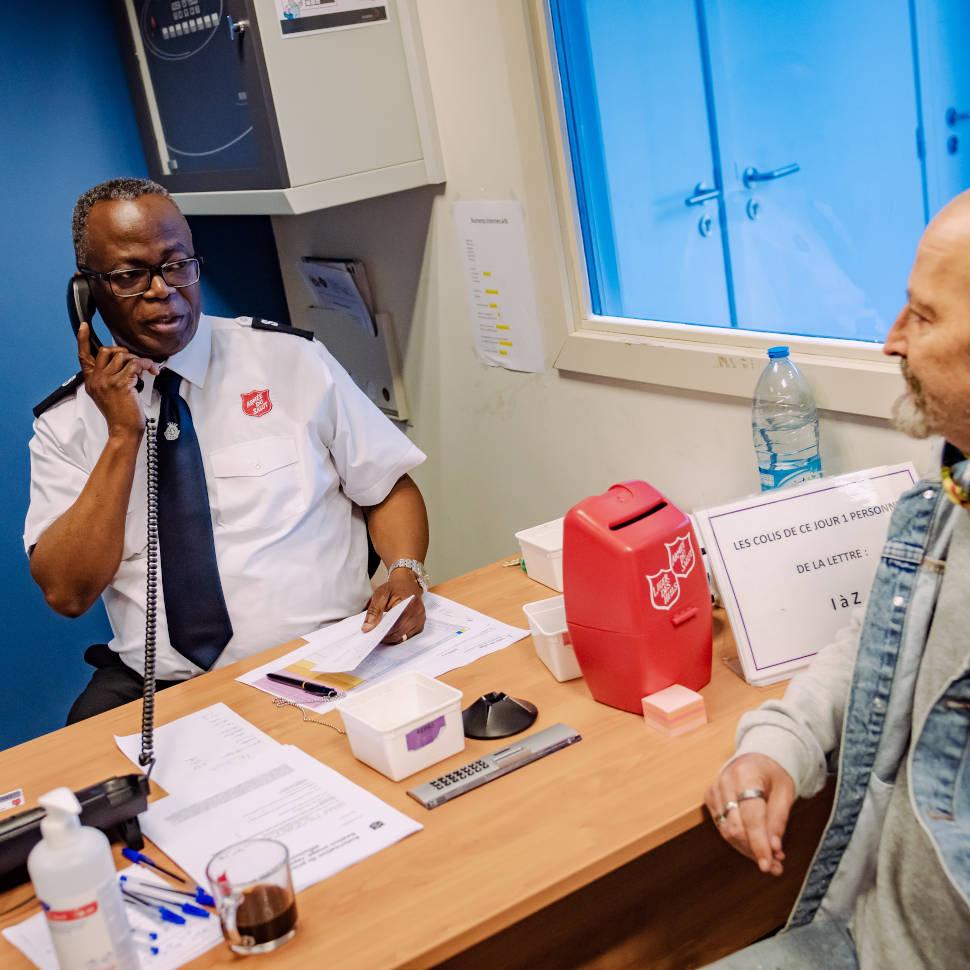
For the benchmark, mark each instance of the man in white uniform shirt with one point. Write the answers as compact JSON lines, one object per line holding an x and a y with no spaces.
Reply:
{"x":298,"y":467}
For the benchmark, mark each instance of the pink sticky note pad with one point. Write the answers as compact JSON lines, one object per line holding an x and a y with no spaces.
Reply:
{"x":675,"y":709}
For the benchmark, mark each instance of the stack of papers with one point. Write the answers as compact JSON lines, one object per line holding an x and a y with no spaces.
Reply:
{"x":343,"y":658}
{"x":228,"y":782}
{"x":341,"y":286}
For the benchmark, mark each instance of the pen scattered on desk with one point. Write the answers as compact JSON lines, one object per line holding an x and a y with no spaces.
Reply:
{"x":162,"y":901}
{"x":199,"y":895}
{"x":141,"y":859}
{"x":162,"y":912}
{"x":321,"y":690}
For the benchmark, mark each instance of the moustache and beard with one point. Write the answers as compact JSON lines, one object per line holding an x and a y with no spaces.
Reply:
{"x":911,"y":413}
{"x":920,"y":414}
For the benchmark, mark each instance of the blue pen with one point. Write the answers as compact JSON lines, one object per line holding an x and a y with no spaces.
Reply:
{"x":153,"y":950}
{"x":166,"y":914}
{"x":184,"y":907}
{"x":142,"y":908}
{"x":144,"y":936}
{"x":141,"y":859}
{"x":198,"y":896}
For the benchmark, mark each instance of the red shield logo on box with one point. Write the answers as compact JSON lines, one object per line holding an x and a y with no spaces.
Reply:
{"x":680,"y":552}
{"x":256,"y":403}
{"x":664,"y":589}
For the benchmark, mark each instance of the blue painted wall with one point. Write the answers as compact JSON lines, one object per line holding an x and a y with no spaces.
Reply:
{"x":66,"y":122}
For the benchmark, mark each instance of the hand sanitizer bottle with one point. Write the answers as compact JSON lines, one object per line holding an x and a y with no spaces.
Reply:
{"x":75,"y":880}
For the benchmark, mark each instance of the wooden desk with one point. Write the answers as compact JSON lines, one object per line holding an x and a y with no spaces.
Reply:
{"x":597,"y":856}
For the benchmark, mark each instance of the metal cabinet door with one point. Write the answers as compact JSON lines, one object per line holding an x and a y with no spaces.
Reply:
{"x":635,"y":91}
{"x":816,"y":103}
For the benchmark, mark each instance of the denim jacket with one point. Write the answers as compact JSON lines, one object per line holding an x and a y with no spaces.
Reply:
{"x":861,"y":701}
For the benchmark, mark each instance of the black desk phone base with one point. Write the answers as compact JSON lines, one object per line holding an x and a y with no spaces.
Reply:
{"x":112,"y":806}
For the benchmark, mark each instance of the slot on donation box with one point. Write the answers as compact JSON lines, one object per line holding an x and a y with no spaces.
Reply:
{"x":638,"y":606}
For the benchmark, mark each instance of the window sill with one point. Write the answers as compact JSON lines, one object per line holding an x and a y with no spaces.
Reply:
{"x":846,"y":376}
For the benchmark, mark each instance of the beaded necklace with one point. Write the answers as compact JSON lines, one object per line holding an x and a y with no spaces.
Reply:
{"x":954,"y":491}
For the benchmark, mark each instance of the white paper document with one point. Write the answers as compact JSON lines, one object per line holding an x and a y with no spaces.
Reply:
{"x":326,"y":821}
{"x":342,"y":645}
{"x":177,"y":945}
{"x":453,"y":636}
{"x":197,"y":751}
{"x":499,"y":284}
{"x":792,"y":564}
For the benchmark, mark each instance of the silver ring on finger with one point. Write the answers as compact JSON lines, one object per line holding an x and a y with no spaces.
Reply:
{"x":729,"y":807}
{"x":746,"y":794}
{"x":719,"y":818}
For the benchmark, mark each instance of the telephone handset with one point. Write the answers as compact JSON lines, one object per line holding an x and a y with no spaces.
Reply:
{"x":81,"y":307}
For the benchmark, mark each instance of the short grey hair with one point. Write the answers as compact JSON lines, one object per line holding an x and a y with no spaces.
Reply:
{"x":114,"y":190}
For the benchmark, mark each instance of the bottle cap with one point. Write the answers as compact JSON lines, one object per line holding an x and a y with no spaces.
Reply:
{"x":62,"y":819}
{"x":775,"y":352}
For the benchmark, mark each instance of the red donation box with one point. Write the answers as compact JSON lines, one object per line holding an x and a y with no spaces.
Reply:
{"x":637,"y":602}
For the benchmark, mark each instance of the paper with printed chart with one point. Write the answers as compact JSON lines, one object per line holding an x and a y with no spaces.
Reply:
{"x":453,"y":636}
{"x":499,"y":286}
{"x":326,"y":821}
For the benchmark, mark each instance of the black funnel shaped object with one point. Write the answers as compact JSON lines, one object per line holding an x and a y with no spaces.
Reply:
{"x":496,"y":715}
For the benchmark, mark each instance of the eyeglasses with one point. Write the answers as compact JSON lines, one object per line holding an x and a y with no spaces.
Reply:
{"x":134,"y":282}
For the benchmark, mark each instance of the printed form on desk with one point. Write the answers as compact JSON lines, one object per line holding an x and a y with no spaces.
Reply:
{"x":236,"y":783}
{"x":453,"y":636}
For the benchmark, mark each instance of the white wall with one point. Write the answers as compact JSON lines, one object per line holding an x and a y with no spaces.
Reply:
{"x":510,"y":450}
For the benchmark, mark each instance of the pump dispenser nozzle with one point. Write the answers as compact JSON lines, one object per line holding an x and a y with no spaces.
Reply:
{"x":63,"y":815}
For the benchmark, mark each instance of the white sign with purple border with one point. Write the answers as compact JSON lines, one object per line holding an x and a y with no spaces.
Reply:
{"x":792,"y":564}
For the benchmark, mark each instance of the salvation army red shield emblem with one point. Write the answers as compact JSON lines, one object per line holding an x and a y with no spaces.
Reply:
{"x":680,"y":552}
{"x":664,"y":589}
{"x":256,"y":403}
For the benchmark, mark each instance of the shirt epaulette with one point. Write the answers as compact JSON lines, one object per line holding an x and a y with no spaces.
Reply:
{"x":65,"y":390}
{"x":259,"y":324}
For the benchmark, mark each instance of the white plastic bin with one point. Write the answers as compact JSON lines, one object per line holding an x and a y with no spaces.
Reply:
{"x":542,"y":551}
{"x":404,"y":724}
{"x":547,"y":621}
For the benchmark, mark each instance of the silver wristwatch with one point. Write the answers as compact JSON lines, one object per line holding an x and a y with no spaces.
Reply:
{"x":415,"y":566}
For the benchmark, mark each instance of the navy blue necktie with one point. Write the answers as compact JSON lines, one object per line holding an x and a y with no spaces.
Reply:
{"x":198,"y":621}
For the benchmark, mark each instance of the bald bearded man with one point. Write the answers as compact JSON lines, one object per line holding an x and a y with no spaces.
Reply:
{"x":890,"y":700}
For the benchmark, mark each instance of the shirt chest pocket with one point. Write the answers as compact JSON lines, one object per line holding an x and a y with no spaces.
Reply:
{"x":257,"y":484}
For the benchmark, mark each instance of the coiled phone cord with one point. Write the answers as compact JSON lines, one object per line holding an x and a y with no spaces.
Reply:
{"x":147,"y":755}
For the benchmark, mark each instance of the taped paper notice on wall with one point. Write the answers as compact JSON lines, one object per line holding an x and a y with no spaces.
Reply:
{"x":301,"y":17}
{"x":792,"y":565}
{"x":499,"y":284}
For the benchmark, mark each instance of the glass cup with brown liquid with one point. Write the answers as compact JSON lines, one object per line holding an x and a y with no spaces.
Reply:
{"x":253,"y":890}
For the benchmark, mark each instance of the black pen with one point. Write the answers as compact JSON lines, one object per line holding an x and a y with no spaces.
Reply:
{"x":307,"y":685}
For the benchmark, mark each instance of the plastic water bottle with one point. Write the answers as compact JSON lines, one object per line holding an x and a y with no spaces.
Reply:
{"x":784,"y":424}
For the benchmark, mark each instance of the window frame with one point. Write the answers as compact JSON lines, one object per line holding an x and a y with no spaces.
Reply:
{"x":850,"y":376}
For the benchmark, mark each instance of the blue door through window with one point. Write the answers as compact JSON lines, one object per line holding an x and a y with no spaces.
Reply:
{"x":765,"y":164}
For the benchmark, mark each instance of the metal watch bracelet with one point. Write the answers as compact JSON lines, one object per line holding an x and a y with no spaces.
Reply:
{"x":416,"y":567}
